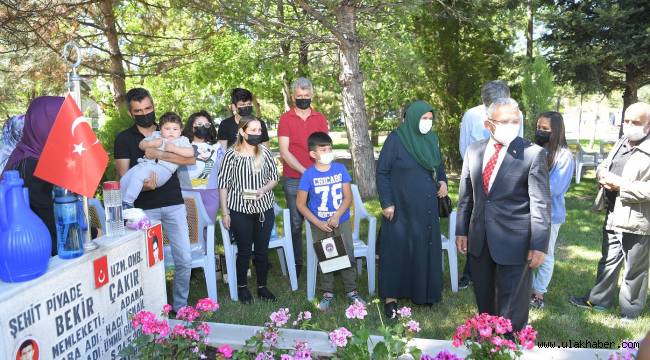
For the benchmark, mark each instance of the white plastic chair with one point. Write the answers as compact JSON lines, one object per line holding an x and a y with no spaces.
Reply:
{"x":201,"y":229}
{"x":364,"y":249}
{"x":449,"y":244}
{"x":585,"y":159}
{"x":361,"y":249}
{"x":284,"y":247}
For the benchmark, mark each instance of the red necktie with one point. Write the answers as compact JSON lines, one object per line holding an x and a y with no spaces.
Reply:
{"x":489,"y":167}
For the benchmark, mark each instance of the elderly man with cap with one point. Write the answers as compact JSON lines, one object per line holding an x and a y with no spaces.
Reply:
{"x":625,"y":179}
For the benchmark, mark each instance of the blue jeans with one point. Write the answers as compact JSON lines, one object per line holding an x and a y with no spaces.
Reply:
{"x":544,"y":273}
{"x":174,"y":223}
{"x":290,"y":187}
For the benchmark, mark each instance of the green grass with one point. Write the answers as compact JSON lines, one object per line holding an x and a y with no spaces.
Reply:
{"x":577,"y":254}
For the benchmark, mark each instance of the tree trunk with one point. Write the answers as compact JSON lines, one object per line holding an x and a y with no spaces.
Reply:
{"x":530,"y":14}
{"x":117,"y":67}
{"x":303,"y":59}
{"x":629,"y":95}
{"x":354,"y":104}
{"x":285,"y":47}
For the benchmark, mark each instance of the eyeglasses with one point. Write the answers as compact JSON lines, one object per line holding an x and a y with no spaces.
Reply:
{"x":205,"y":125}
{"x":505,"y":122}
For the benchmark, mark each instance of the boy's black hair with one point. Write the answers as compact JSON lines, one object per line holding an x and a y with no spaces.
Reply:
{"x":317,"y":139}
{"x":170,"y":117}
{"x":137,"y":94}
{"x":239,"y":94}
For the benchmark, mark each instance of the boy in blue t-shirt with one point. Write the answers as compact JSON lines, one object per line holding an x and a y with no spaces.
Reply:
{"x":326,"y":185}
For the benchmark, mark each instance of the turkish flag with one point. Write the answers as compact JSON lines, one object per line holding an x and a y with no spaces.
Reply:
{"x":72,"y":158}
{"x":100,"y":267}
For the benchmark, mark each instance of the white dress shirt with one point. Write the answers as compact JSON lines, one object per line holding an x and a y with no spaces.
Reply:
{"x":489,"y":151}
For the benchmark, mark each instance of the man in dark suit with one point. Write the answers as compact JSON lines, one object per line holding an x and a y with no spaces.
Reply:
{"x":504,"y":214}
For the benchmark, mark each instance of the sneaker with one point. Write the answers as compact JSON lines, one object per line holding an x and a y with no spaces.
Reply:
{"x":325,"y":302}
{"x":463,"y":283}
{"x":583,"y":302}
{"x":265,"y":294}
{"x":536,"y":302}
{"x":354,"y":296}
{"x":390,"y":310}
{"x":244,"y":295}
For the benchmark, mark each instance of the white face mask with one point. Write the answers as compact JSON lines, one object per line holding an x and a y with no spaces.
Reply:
{"x":505,"y":133}
{"x":634,"y":132}
{"x":425,"y":125}
{"x":326,"y":158}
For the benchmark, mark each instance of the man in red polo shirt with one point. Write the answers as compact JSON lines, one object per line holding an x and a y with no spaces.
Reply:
{"x":294,"y":128}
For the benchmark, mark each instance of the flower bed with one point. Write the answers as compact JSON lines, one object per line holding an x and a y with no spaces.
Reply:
{"x":188,"y":337}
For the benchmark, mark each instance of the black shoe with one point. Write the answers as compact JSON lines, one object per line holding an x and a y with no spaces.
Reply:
{"x":265,"y":294}
{"x":536,"y":302}
{"x":244,"y":295}
{"x":583,"y":302}
{"x":298,"y":271}
{"x":390,"y":309}
{"x":464,"y":282}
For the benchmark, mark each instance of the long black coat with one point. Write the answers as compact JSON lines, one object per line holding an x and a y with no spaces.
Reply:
{"x":409,"y":245}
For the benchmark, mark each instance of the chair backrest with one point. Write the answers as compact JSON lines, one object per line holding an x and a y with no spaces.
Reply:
{"x":96,"y":214}
{"x":360,"y":211}
{"x":197,"y":219}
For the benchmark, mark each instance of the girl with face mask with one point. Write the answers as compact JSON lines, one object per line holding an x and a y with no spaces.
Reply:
{"x":246,"y":181}
{"x":202,"y":176}
{"x":550,"y":135}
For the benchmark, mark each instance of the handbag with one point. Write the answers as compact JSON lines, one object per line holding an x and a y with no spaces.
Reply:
{"x":445,"y":206}
{"x":599,"y":201}
{"x":331,"y":254}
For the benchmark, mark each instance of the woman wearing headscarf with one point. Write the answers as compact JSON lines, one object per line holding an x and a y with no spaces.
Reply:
{"x":410,"y":179}
{"x":39,"y":119}
{"x":12,"y":132}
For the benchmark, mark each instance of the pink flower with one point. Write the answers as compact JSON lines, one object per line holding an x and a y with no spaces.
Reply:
{"x":280,"y":317}
{"x":356,"y":311}
{"x":187,"y":313}
{"x":302,"y":351}
{"x":204,"y":328}
{"x":303,"y":315}
{"x":166,"y":309}
{"x":142,"y":317}
{"x":226,"y":351}
{"x":306,"y":315}
{"x":339,"y":337}
{"x":265,"y":355}
{"x":404,"y":312}
{"x":413,"y":326}
{"x":286,"y":357}
{"x":485,"y":331}
{"x":207,"y":304}
{"x":443,"y":355}
{"x":270,"y":337}
{"x":527,"y":337}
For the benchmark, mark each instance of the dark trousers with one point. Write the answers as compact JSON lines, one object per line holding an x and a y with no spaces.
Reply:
{"x":495,"y":286}
{"x":252,"y":230}
{"x":620,"y":249}
{"x":467,"y":271}
{"x":290,"y":187}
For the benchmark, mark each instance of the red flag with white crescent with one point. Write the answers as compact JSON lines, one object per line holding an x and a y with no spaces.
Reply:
{"x":73,"y":157}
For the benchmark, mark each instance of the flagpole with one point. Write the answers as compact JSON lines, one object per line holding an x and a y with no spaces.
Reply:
{"x":74,"y":86}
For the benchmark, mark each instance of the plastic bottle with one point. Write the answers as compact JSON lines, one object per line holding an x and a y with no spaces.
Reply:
{"x":69,"y":237}
{"x":113,"y":208}
{"x":25,"y":242}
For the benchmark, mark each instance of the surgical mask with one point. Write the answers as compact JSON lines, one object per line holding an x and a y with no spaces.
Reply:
{"x":425,"y":125}
{"x":245,"y":110}
{"x":542,"y":137}
{"x":634,"y":132}
{"x":202,"y":132}
{"x":145,"y":120}
{"x":505,"y":133}
{"x":303,"y":103}
{"x":254,"y":140}
{"x":326,"y":158}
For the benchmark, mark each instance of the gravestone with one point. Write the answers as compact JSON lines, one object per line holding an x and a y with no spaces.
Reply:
{"x":80,"y":308}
